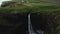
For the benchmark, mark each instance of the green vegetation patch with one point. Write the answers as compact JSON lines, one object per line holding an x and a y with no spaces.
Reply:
{"x":31,"y":8}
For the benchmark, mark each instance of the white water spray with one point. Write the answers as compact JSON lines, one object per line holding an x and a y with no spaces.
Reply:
{"x":3,"y":1}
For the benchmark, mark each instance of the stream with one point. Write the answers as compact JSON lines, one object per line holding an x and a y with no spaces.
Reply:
{"x":30,"y":29}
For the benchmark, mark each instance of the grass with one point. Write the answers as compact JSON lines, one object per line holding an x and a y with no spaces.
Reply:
{"x":33,"y":7}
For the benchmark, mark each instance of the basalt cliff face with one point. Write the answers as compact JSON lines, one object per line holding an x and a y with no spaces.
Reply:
{"x":11,"y":23}
{"x":44,"y":22}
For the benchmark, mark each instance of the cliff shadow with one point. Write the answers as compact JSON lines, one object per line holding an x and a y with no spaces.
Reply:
{"x":13,"y":23}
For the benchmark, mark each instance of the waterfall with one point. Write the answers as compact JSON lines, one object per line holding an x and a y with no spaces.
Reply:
{"x":30,"y":29}
{"x":2,"y":1}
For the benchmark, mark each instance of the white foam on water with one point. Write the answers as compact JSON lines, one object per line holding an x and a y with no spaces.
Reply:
{"x":2,"y":1}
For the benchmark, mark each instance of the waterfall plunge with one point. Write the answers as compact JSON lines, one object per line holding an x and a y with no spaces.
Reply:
{"x":3,"y":1}
{"x":30,"y":29}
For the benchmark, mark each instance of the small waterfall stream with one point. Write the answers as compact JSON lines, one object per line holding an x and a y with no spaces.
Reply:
{"x":30,"y":29}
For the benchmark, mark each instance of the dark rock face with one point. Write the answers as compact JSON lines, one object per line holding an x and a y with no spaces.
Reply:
{"x":17,"y":23}
{"x":13,"y":23}
{"x":44,"y":22}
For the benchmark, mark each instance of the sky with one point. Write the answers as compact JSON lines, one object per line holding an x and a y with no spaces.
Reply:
{"x":2,"y":1}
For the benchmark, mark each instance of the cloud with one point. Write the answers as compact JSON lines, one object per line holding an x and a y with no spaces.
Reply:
{"x":2,"y":1}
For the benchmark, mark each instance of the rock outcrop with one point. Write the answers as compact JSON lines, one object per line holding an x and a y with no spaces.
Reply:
{"x":17,"y":23}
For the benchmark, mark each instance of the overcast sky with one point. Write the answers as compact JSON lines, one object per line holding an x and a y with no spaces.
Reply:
{"x":3,"y":0}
